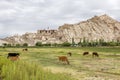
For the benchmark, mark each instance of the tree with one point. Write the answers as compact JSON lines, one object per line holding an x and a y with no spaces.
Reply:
{"x":73,"y":42}
{"x":66,"y":44}
{"x":38,"y":44}
{"x":47,"y":44}
{"x":79,"y":43}
{"x":4,"y":44}
{"x":85,"y":42}
{"x":112,"y":43}
{"x":55,"y":44}
{"x":9,"y":45}
{"x":101,"y":41}
{"x":17,"y":45}
{"x":25,"y":44}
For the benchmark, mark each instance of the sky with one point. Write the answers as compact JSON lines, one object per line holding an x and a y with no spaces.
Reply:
{"x":21,"y":16}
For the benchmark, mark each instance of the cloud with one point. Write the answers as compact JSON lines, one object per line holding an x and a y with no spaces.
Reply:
{"x":20,"y":16}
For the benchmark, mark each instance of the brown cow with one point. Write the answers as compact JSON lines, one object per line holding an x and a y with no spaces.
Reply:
{"x":69,"y":54}
{"x":25,"y":49}
{"x":85,"y":53}
{"x":63,"y":59}
{"x":95,"y":54}
{"x":14,"y":58}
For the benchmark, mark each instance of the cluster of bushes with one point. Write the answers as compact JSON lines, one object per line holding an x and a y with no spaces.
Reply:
{"x":66,"y":44}
{"x":15,"y":45}
{"x":98,"y":43}
{"x":84,"y":43}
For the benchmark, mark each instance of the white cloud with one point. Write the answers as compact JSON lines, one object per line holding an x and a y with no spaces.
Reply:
{"x":20,"y":16}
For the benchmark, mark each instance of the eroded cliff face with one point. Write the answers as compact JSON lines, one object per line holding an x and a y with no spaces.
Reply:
{"x":96,"y":28}
{"x":44,"y":36}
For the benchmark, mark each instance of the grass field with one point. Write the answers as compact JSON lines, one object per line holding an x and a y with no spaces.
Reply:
{"x":106,"y":67}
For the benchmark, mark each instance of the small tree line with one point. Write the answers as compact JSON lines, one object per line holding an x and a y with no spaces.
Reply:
{"x":15,"y":45}
{"x":84,"y":43}
{"x":99,"y":42}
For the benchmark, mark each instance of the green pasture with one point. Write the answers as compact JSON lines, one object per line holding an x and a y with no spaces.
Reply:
{"x":45,"y":61}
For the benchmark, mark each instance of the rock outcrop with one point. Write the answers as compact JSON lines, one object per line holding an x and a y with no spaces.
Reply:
{"x":96,"y":28}
{"x":99,"y":27}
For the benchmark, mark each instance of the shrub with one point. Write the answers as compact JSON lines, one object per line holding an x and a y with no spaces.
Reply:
{"x":55,"y":44}
{"x":25,"y":44}
{"x":17,"y":45}
{"x":112,"y":44}
{"x":4,"y":44}
{"x":66,"y":44}
{"x":9,"y":45}
{"x":47,"y":44}
{"x":38,"y":44}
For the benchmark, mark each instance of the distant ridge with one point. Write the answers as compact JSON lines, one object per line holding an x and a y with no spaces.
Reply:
{"x":98,"y":27}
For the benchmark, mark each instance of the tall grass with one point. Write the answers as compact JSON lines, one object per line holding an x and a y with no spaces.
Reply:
{"x":21,"y":70}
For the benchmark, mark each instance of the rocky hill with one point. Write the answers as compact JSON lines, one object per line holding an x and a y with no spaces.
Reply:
{"x":44,"y":36}
{"x":96,"y":28}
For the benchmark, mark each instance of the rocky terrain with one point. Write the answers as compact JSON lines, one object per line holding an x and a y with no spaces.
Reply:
{"x":96,"y":28}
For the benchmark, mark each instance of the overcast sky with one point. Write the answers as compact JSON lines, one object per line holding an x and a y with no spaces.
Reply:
{"x":20,"y":16}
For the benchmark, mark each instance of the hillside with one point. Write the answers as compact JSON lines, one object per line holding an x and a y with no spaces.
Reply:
{"x":96,"y":28}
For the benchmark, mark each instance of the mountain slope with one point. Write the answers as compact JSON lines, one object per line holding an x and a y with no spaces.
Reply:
{"x":96,"y":28}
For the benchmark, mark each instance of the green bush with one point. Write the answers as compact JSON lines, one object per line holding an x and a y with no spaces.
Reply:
{"x":9,"y":45}
{"x":55,"y":44}
{"x":47,"y":44}
{"x":4,"y":44}
{"x":66,"y":44}
{"x":25,"y":44}
{"x":112,"y":44}
{"x":38,"y":44}
{"x":17,"y":45}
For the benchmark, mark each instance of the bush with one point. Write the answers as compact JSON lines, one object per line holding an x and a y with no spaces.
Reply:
{"x":55,"y":44}
{"x":66,"y":44}
{"x":47,"y":44}
{"x":25,"y":44}
{"x":9,"y":45}
{"x":4,"y":44}
{"x":17,"y":45}
{"x":112,"y":44}
{"x":38,"y":44}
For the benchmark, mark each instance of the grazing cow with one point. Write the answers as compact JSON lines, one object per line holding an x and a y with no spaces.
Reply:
{"x":13,"y":56}
{"x":63,"y":59}
{"x":95,"y":54}
{"x":85,"y":53}
{"x":69,"y":54}
{"x":25,"y":49}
